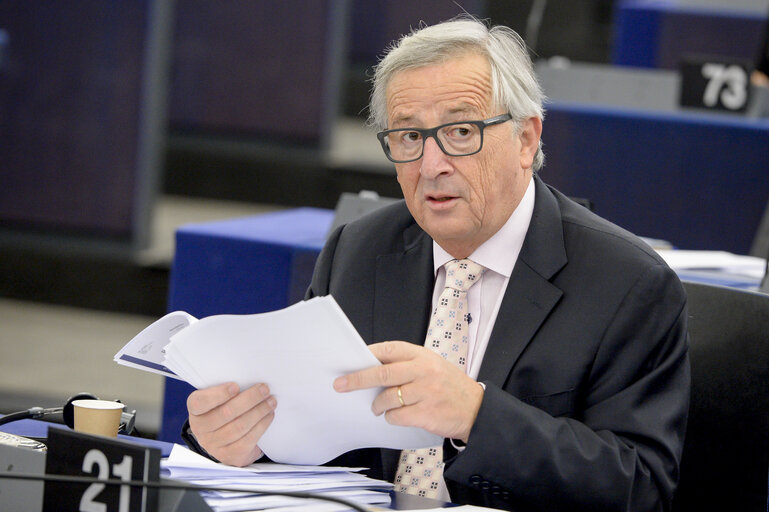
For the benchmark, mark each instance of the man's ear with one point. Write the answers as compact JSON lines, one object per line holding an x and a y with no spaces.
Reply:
{"x":529,"y":135}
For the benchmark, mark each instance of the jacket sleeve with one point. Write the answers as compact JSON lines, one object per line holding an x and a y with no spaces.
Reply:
{"x":622,"y":452}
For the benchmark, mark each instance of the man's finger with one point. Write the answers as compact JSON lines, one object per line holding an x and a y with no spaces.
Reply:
{"x":394,"y":351}
{"x":391,"y":374}
{"x":230,"y":410}
{"x":204,"y":400}
{"x":397,"y":368}
{"x":239,"y":427}
{"x":245,"y":450}
{"x":393,"y":398}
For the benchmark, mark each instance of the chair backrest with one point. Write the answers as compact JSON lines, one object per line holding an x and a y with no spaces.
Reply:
{"x":726,"y":453}
{"x":760,"y":245}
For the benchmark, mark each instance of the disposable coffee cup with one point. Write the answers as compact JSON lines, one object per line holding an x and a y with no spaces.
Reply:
{"x":100,"y":417}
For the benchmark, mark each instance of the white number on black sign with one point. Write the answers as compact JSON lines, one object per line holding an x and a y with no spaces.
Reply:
{"x":727,"y":84}
{"x":122,"y":470}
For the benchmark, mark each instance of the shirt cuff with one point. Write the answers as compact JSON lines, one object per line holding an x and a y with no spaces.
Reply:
{"x":192,"y":443}
{"x":459,"y":445}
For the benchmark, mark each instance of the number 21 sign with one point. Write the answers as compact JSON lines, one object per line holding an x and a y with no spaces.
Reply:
{"x":72,"y":453}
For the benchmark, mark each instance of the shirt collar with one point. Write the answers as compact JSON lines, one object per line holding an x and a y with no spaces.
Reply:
{"x":500,"y":252}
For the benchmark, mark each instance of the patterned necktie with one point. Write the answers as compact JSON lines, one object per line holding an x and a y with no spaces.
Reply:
{"x":421,"y":471}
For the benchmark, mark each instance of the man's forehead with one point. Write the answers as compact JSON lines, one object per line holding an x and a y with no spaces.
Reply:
{"x":455,"y":88}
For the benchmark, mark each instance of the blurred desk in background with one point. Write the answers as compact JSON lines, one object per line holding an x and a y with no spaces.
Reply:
{"x":717,"y":268}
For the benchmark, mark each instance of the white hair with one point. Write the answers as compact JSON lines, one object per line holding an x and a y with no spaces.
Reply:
{"x":514,"y":84}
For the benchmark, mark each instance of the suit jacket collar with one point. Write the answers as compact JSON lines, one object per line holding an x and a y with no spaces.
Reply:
{"x":543,"y":249}
{"x":530,"y":296}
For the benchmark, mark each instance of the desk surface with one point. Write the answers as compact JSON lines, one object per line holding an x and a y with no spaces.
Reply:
{"x":296,"y":228}
{"x":37,"y":429}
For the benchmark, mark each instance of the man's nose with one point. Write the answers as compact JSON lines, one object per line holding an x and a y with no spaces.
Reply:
{"x":434,"y":161}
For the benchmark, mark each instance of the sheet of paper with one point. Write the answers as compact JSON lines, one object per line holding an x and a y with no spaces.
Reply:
{"x":146,"y":351}
{"x":298,"y":352}
{"x":185,"y":465}
{"x":295,"y":484}
{"x":182,"y":457}
{"x":459,"y":508}
{"x":715,"y":260}
{"x":283,"y":504}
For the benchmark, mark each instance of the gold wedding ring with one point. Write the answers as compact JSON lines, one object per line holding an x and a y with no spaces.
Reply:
{"x":400,"y":397}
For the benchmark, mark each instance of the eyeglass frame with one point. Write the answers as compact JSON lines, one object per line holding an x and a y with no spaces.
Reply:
{"x":433,"y":132}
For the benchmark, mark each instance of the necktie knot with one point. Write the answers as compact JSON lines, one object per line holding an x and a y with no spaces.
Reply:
{"x":462,"y":274}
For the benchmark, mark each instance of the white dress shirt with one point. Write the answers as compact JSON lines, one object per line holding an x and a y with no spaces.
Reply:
{"x":498,"y":255}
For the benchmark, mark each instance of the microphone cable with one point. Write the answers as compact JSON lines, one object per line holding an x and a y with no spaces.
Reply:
{"x":34,"y":413}
{"x":177,"y":486}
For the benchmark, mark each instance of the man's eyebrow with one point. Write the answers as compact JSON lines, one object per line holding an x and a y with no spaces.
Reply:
{"x":464,"y":109}
{"x":403,"y":120}
{"x":408,"y":120}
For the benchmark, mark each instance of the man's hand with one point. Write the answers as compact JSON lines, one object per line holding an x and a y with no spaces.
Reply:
{"x":228,"y":423}
{"x":437,"y":396}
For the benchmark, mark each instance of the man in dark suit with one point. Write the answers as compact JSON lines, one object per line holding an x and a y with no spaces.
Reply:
{"x":573,"y":384}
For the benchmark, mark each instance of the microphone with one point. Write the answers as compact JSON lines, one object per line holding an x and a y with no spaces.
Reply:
{"x":34,"y":413}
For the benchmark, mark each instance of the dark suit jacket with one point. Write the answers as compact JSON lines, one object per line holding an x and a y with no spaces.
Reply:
{"x":586,"y":371}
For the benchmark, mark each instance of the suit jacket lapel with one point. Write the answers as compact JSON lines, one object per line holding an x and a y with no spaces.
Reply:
{"x":530,"y":296}
{"x":404,"y":289}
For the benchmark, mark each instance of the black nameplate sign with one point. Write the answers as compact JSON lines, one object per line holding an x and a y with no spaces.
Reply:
{"x":76,"y":454}
{"x":715,"y":84}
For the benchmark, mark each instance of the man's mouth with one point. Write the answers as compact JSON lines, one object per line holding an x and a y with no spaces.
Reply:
{"x":437,"y":201}
{"x":440,"y":197}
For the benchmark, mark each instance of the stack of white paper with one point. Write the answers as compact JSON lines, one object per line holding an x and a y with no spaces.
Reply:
{"x":717,"y":267}
{"x":344,"y":483}
{"x":298,"y":352}
{"x":722,"y":261}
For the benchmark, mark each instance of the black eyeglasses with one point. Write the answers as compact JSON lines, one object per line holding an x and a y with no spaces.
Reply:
{"x":455,"y":139}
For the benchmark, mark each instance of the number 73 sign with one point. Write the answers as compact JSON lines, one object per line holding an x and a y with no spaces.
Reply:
{"x":715,"y":84}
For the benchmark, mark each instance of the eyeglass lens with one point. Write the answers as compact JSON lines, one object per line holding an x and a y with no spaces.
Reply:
{"x":456,"y":140}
